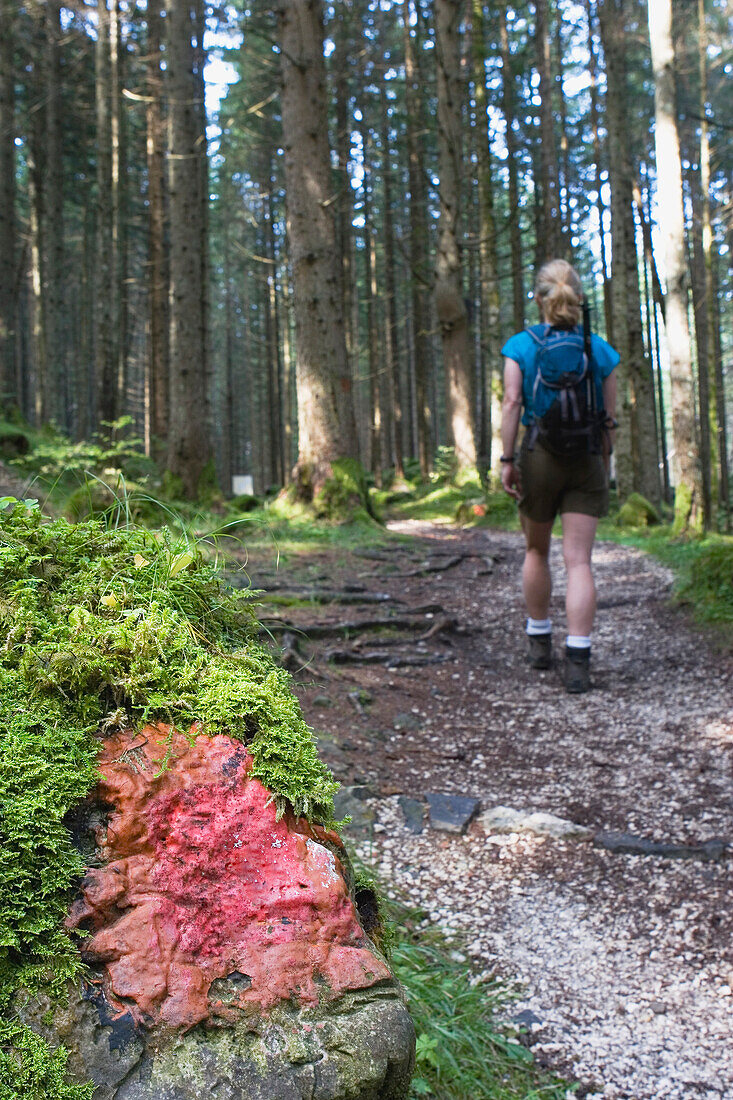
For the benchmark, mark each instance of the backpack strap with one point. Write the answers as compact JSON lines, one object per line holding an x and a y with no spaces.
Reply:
{"x":539,"y":339}
{"x":532,"y":330}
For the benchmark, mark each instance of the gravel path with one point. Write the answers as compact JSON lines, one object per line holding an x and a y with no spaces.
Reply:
{"x":625,"y":962}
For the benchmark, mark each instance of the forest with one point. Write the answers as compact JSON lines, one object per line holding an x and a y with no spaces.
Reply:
{"x":288,"y":804}
{"x":258,"y":239}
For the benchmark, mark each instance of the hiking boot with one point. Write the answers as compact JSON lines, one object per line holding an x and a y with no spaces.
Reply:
{"x":540,"y":650}
{"x":576,"y":673}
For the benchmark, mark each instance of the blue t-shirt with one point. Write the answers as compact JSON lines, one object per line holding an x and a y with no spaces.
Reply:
{"x":523,"y":350}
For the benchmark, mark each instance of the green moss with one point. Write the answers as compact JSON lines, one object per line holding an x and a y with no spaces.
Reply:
{"x":346,"y":493}
{"x":707,"y":582}
{"x":117,"y":628}
{"x":637,"y":511}
{"x":28,"y":1069}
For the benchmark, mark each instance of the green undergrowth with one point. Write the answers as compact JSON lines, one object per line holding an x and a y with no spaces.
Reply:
{"x":703,"y":570}
{"x":108,"y":627}
{"x":463,"y":1048}
{"x":445,"y":501}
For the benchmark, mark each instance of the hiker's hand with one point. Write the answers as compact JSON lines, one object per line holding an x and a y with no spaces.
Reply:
{"x":510,"y":479}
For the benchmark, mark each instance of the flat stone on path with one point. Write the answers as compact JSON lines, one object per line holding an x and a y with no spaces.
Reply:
{"x":631,"y":845}
{"x":452,"y":813}
{"x":504,"y":819}
{"x":349,"y":802}
{"x":414,"y":812}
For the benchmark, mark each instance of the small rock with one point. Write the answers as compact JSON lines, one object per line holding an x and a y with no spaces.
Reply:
{"x":414,"y":813}
{"x":347,"y":803}
{"x":504,"y":819}
{"x":632,"y":845}
{"x":406,"y":722}
{"x":452,"y":813}
{"x":658,"y":1008}
{"x":322,"y":701}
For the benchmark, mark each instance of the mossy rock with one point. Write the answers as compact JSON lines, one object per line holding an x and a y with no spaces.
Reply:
{"x":345,"y":494}
{"x":112,"y":625}
{"x":245,"y":502}
{"x":14,"y":442}
{"x":637,"y":511}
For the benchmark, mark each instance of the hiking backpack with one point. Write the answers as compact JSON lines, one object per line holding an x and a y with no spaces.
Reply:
{"x":567,"y":419}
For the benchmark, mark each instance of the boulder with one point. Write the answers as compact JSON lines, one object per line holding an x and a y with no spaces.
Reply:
{"x":226,"y":955}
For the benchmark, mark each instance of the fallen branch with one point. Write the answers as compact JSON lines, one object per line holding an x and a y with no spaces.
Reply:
{"x":380,"y":657}
{"x":326,"y":630}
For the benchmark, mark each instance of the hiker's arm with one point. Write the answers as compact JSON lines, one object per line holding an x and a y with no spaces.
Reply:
{"x":609,"y":404}
{"x":511,"y":409}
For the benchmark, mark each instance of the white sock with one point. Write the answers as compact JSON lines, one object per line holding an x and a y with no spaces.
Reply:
{"x":539,"y":626}
{"x":578,"y":641}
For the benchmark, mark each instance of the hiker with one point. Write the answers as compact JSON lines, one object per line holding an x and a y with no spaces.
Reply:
{"x":560,"y":378}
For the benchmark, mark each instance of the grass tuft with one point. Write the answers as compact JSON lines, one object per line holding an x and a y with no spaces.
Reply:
{"x":463,"y":1049}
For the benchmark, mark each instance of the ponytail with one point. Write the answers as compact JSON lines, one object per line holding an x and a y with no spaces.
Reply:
{"x":559,"y":294}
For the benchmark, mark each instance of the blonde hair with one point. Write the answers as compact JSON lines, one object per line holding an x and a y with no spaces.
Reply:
{"x":559,"y":294}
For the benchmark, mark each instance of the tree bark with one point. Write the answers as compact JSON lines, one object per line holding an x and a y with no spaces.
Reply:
{"x":637,"y":466}
{"x":189,"y":442}
{"x":326,"y":426}
{"x":8,"y":227}
{"x":449,"y":302}
{"x":418,"y":248}
{"x":344,"y":206}
{"x":552,"y":243}
{"x":54,"y":403}
{"x":390,"y":290}
{"x":515,"y":231}
{"x":376,"y":433}
{"x":716,"y":375}
{"x":488,"y":260}
{"x":598,"y":158}
{"x":688,"y":491}
{"x":104,"y":348}
{"x":158,"y":273}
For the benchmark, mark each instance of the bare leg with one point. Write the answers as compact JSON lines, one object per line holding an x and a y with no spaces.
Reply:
{"x":536,"y":579}
{"x":578,"y":533}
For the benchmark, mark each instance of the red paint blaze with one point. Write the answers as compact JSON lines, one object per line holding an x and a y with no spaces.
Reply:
{"x":201,"y":882}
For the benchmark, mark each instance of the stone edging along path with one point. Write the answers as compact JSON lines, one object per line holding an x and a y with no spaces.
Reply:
{"x":620,"y":935}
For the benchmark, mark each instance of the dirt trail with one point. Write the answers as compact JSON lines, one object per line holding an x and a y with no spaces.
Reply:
{"x":626,"y":960}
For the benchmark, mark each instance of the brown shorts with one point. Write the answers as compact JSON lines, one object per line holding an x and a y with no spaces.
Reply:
{"x":552,"y":485}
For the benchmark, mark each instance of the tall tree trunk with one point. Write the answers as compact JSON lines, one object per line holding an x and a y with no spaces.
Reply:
{"x":696,"y":268}
{"x":564,"y":188}
{"x":636,"y":459}
{"x":390,"y":290}
{"x":53,"y":224}
{"x":8,"y":230}
{"x":716,"y":375}
{"x":38,"y":382}
{"x":189,"y":442}
{"x":119,"y":213}
{"x":376,"y":427}
{"x":273,"y":331}
{"x":326,"y":426}
{"x":488,"y":260}
{"x":449,"y":301}
{"x":688,"y":489}
{"x":202,"y":155}
{"x":344,"y":206}
{"x":598,"y":159}
{"x":104,"y":344}
{"x":515,"y":231}
{"x":553,"y":243}
{"x":158,"y":275}
{"x":646,"y":234}
{"x":418,"y":231}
